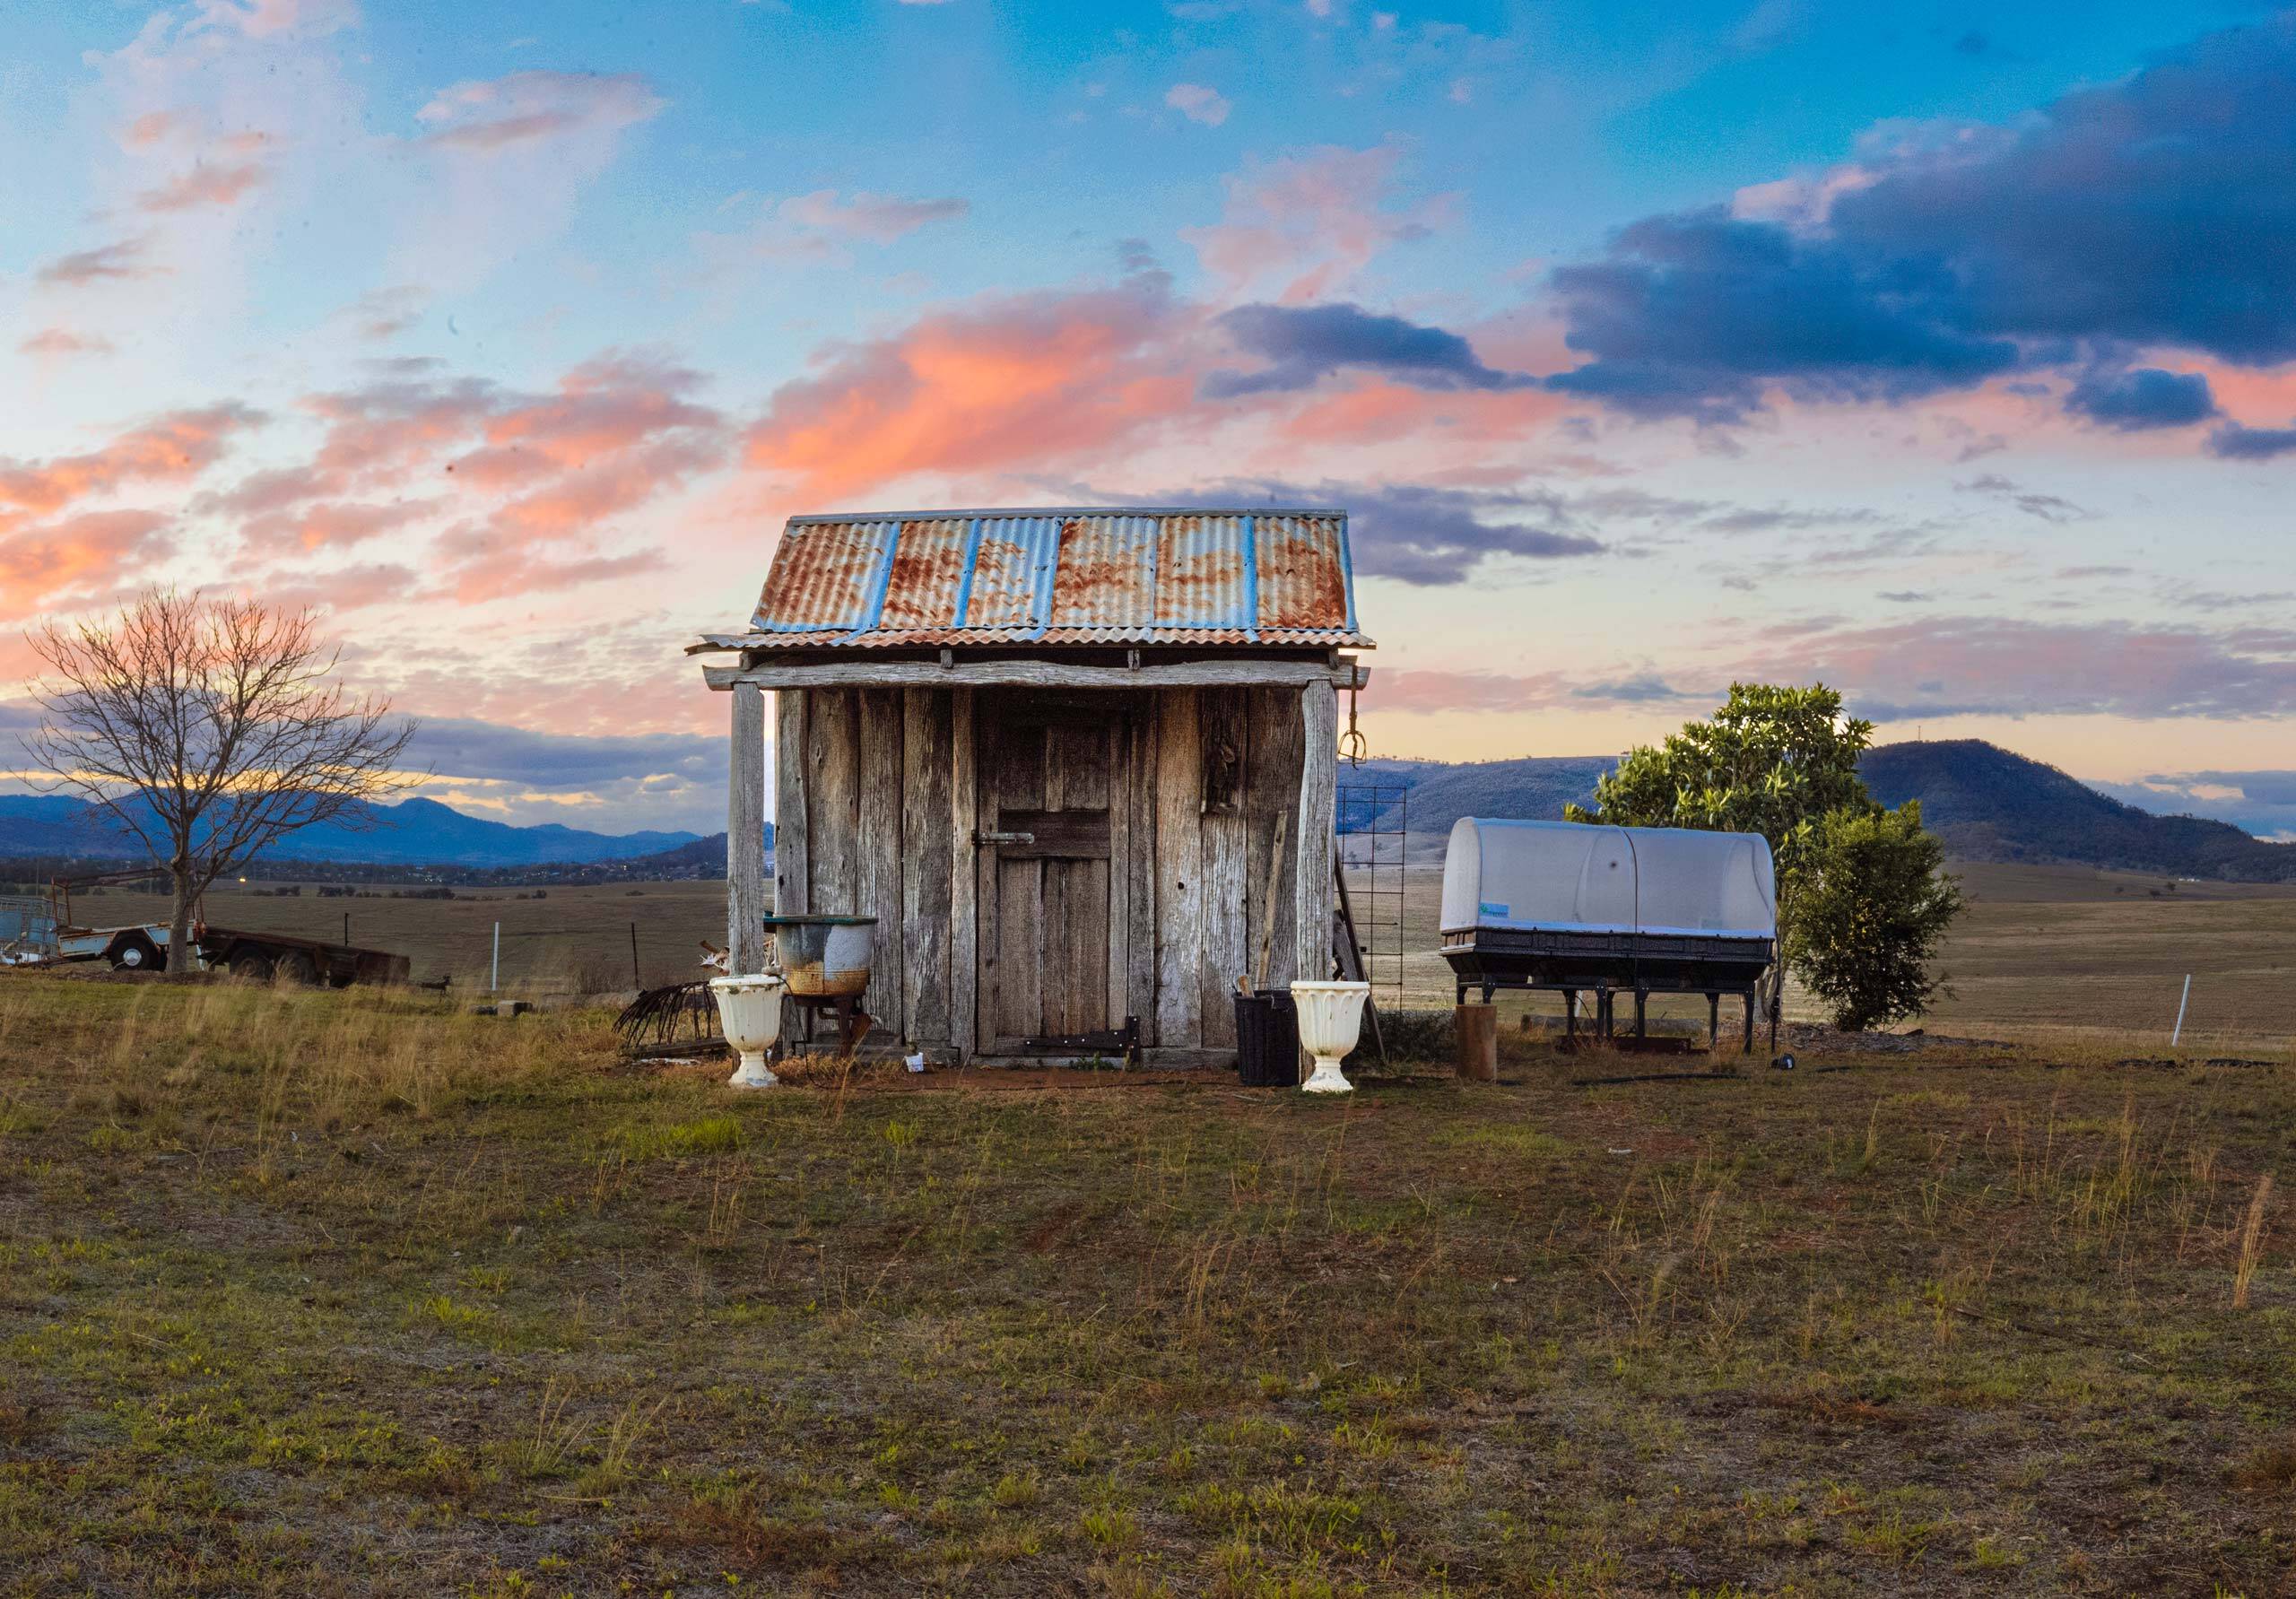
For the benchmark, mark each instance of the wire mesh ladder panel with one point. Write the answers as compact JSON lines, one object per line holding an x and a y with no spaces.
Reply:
{"x":1373,"y":821}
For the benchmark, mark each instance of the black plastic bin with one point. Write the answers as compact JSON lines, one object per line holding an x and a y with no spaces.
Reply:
{"x":1267,"y":1040}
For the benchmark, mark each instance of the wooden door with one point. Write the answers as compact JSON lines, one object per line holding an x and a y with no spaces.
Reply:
{"x":1047,"y":770}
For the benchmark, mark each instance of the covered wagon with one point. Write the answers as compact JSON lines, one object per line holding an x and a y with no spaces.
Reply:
{"x":1566,"y":907}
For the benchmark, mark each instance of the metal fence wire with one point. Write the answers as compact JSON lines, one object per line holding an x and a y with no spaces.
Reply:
{"x":1373,"y":823}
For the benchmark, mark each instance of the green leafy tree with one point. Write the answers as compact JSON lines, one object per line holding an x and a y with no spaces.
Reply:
{"x":1876,"y":904}
{"x":1774,"y":759}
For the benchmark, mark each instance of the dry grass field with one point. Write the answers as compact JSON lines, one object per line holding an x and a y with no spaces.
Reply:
{"x":2044,"y":951}
{"x":569,"y":940}
{"x":306,"y":1293}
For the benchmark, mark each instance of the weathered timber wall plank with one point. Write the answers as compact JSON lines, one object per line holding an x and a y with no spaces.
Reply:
{"x":1311,"y":893}
{"x":745,"y":836}
{"x":926,"y":852}
{"x":792,"y":889}
{"x":1225,"y":892}
{"x":1179,"y":862}
{"x":1271,"y":789}
{"x":832,"y":800}
{"x":1136,"y":995}
{"x":878,"y":845}
{"x":964,"y":927}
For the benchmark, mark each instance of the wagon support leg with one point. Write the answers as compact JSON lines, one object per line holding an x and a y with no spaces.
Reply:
{"x":1747,"y":1047}
{"x":1713,"y":1020}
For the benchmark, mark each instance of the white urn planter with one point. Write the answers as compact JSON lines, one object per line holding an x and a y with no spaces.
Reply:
{"x":749,"y":1009}
{"x":1331,"y":1014}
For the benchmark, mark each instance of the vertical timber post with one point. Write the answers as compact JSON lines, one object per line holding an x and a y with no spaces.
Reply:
{"x":964,"y":908}
{"x":745,"y":836}
{"x":1311,"y":880}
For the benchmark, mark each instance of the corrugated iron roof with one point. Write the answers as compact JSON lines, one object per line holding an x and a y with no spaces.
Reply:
{"x":1100,"y":575}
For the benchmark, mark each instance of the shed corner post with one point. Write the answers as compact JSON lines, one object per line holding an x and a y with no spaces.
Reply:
{"x":745,"y":834}
{"x":1311,"y":878}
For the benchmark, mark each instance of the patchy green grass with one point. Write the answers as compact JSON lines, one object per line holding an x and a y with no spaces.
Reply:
{"x":309,"y":1292}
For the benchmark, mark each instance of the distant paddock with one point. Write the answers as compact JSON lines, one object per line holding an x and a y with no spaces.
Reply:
{"x":2043,"y":951}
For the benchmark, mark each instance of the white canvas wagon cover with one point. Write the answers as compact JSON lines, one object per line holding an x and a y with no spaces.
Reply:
{"x":1566,"y":877}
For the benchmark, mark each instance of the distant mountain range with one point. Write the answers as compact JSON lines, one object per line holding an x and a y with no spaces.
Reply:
{"x":416,"y":832}
{"x":1987,"y":802}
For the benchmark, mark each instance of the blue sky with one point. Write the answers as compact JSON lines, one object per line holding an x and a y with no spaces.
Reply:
{"x":1941,"y":350}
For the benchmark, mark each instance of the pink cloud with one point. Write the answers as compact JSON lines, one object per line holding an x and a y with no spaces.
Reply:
{"x":265,"y":19}
{"x":330,"y":525}
{"x":1429,"y":691}
{"x":530,"y":108}
{"x":1301,"y":227}
{"x":1199,"y":102}
{"x":149,"y":128}
{"x":1937,"y":666}
{"x":62,"y":342}
{"x":171,"y":448}
{"x":1005,"y":381}
{"x":204,"y":185}
{"x":879,"y":219}
{"x":38,"y":563}
{"x":107,"y":263}
{"x":535,"y":478}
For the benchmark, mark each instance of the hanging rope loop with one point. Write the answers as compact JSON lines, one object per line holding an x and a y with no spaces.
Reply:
{"x":1352,"y":748}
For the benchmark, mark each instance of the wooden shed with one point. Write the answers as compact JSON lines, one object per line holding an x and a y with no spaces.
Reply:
{"x":1053,"y":752}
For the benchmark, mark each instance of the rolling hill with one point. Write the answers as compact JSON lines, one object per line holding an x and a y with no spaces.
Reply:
{"x":1989,"y":804}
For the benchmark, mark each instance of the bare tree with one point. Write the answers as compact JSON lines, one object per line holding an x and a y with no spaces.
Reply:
{"x":209,"y":729}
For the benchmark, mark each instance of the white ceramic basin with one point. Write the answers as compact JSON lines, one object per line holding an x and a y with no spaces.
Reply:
{"x":1331,"y":1014}
{"x":750,"y":1011}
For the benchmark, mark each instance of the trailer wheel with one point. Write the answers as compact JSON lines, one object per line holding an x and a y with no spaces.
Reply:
{"x":134,"y":953}
{"x":295,"y":967}
{"x":252,"y":965}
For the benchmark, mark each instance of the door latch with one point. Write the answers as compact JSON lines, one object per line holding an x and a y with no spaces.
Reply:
{"x":986,"y":838}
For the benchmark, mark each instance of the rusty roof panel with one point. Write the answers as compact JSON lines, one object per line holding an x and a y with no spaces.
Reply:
{"x":822,"y":576}
{"x":1100,"y":575}
{"x":927,"y":571}
{"x":1107,"y":573}
{"x":1298,"y":581}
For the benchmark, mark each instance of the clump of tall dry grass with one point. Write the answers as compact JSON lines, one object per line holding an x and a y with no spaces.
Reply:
{"x":2244,"y":1271}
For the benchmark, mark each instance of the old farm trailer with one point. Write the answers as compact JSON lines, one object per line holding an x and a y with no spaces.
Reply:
{"x":1569,"y":909}
{"x":1052,"y":753}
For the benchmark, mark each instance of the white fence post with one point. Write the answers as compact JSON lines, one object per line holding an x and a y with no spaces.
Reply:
{"x":2180,"y":1011}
